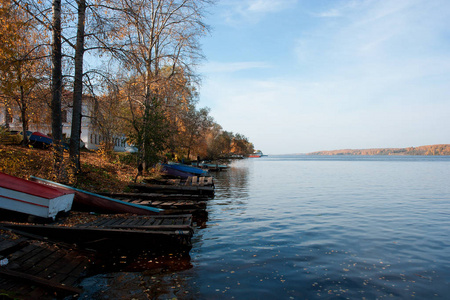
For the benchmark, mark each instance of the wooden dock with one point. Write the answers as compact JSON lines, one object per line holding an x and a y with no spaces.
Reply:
{"x":172,"y":204}
{"x":47,"y":261}
{"x":174,"y":207}
{"x":193,"y":186}
{"x":157,"y":197}
{"x":153,"y":232}
{"x":36,"y":269}
{"x":192,"y":180}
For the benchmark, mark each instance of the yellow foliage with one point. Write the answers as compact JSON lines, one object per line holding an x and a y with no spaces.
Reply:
{"x":98,"y":173}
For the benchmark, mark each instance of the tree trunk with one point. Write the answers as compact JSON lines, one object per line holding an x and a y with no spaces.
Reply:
{"x":7,"y":116}
{"x":75,"y":134}
{"x":57,"y":89}
{"x":24,"y":115}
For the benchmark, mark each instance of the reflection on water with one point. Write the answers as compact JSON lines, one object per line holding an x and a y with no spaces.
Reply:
{"x":126,"y":285}
{"x":232,"y":184}
{"x":136,"y":275}
{"x":313,"y":227}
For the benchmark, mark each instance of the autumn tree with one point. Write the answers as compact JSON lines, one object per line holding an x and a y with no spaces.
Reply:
{"x":195,"y":124}
{"x":77,"y":101}
{"x":160,"y":39}
{"x":96,"y":26}
{"x":241,"y":145}
{"x":222,"y":143}
{"x":109,"y":112}
{"x":23,"y":66}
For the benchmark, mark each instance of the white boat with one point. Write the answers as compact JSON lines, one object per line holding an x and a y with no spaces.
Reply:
{"x":33,"y":198}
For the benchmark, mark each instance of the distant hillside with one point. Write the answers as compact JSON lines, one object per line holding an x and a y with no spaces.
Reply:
{"x":443,"y":149}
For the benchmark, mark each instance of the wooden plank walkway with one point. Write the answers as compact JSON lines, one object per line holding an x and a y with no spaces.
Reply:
{"x":190,"y":181}
{"x":170,"y":204}
{"x":199,"y":181}
{"x":39,"y":270}
{"x":155,"y":223}
{"x":174,"y":189}
{"x":175,"y":207}
{"x":173,"y":233}
{"x":157,"y":196}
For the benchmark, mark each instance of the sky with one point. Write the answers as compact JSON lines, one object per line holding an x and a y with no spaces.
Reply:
{"x":297,"y":76}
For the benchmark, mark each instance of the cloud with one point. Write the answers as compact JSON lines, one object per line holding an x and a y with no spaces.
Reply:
{"x":267,"y":6}
{"x":252,"y":11}
{"x":330,"y":13}
{"x":384,"y":36}
{"x":221,"y":67}
{"x":288,"y":115}
{"x":362,"y":74}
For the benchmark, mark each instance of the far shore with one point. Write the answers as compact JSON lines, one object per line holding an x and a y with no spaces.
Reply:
{"x":440,"y":149}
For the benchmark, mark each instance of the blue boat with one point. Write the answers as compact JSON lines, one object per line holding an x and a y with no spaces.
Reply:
{"x":186,"y":169}
{"x":41,"y":140}
{"x":174,"y":172}
{"x":38,"y":137}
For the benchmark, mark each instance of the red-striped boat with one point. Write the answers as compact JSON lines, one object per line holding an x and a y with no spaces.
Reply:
{"x":87,"y":201}
{"x":28,"y":197}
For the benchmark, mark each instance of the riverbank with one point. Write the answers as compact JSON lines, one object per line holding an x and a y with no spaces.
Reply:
{"x":101,"y":172}
{"x":37,"y":254}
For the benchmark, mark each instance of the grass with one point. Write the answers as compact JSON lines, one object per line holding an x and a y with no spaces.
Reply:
{"x":100,"y":171}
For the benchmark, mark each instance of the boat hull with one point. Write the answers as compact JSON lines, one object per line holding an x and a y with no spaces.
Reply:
{"x":187,"y":169}
{"x":20,"y":195}
{"x":87,"y":201}
{"x":174,"y":172}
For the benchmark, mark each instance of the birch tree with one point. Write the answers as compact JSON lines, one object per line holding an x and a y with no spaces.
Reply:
{"x":75,"y":133}
{"x":159,"y":34}
{"x":57,"y":85}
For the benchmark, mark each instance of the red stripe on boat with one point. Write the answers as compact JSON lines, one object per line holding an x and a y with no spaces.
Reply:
{"x":24,"y":201}
{"x":30,"y":187}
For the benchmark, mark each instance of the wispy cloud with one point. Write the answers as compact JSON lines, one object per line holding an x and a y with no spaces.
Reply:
{"x":368,"y":74}
{"x":334,"y":12}
{"x":267,"y":6}
{"x":252,"y":11}
{"x":386,"y":33}
{"x":220,"y":67}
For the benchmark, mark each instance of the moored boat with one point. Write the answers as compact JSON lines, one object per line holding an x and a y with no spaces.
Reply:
{"x":186,"y":169}
{"x":87,"y":201}
{"x":174,"y":172}
{"x":39,"y":137}
{"x":28,"y":197}
{"x":256,"y":154}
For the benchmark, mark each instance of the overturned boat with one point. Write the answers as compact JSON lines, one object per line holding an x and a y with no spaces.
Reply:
{"x":33,"y":198}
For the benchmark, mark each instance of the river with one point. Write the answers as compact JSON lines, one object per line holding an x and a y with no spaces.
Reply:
{"x":312,"y":227}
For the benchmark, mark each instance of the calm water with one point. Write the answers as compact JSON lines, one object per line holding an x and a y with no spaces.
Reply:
{"x":307,"y":227}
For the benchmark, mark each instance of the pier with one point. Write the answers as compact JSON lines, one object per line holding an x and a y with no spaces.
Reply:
{"x":155,"y":232}
{"x":33,"y":268}
{"x":192,"y":185}
{"x":48,"y":258}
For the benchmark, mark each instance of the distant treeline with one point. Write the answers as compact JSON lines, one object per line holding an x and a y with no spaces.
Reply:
{"x":443,"y":149}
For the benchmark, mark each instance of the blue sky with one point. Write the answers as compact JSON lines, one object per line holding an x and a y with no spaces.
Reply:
{"x":297,"y":76}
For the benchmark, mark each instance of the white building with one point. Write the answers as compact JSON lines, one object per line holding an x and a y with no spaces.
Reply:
{"x":89,"y":136}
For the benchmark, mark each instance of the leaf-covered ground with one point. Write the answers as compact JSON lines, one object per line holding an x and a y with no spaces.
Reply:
{"x":101,"y":172}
